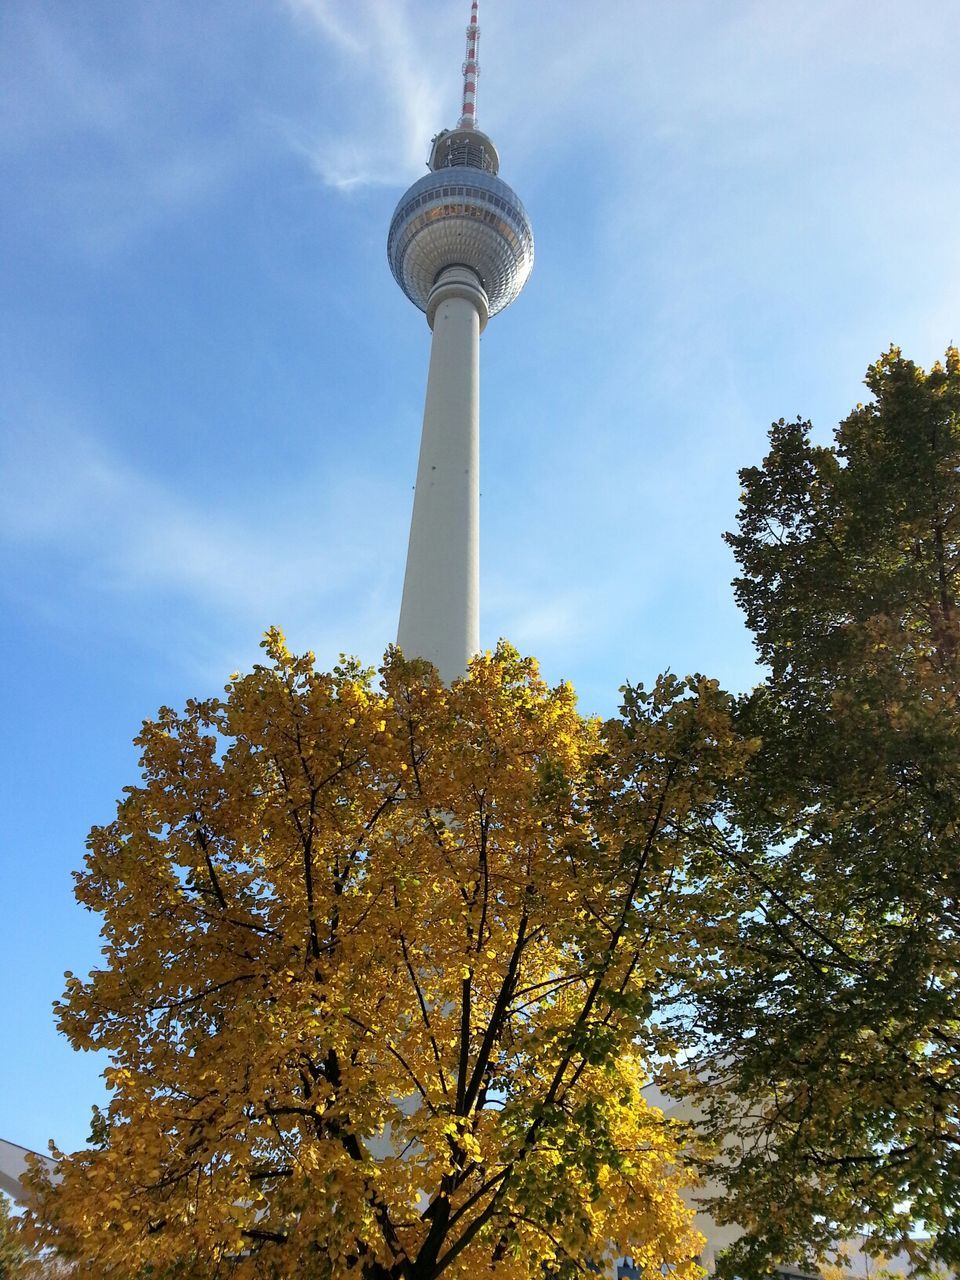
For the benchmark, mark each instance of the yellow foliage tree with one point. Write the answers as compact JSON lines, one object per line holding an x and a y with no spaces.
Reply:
{"x":379,"y":965}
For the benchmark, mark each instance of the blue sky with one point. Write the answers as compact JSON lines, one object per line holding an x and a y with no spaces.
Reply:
{"x":211,"y":387}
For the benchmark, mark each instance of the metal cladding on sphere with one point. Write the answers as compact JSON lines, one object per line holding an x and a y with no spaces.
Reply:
{"x":462,"y":215}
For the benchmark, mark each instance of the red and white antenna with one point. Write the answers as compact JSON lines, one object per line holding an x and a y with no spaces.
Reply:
{"x":471,"y":69}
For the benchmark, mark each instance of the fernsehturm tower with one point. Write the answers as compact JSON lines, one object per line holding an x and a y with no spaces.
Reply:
{"x":461,"y":249}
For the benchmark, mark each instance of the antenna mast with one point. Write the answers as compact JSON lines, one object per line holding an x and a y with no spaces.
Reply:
{"x":471,"y":69}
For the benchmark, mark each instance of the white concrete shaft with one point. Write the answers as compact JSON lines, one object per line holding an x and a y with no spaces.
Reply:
{"x":440,"y":611}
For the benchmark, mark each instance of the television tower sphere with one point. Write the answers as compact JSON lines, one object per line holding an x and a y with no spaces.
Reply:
{"x":461,"y":214}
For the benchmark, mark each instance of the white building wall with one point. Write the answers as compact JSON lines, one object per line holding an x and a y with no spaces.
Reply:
{"x":13,"y":1165}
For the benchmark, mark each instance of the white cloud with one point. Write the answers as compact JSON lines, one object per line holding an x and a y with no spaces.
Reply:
{"x":392,"y":105}
{"x":534,"y":624}
{"x":323,"y":14}
{"x":134,"y":549}
{"x":109,"y":146}
{"x":75,"y":98}
{"x":113,"y":210}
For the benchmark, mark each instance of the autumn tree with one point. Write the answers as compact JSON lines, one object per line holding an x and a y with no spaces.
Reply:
{"x":829,"y":1008}
{"x":379,"y":963}
{"x":12,"y":1252}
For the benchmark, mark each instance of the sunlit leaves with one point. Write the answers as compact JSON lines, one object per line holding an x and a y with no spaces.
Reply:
{"x":378,"y":975}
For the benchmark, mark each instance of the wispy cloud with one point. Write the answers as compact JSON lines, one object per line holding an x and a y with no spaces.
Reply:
{"x":134,"y":196}
{"x":392,"y":103}
{"x":537,"y":623}
{"x":109,"y":149}
{"x":322,"y":14}
{"x":75,"y":97}
{"x":134,"y":547}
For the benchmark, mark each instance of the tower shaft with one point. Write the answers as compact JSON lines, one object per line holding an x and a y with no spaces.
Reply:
{"x":440,"y":611}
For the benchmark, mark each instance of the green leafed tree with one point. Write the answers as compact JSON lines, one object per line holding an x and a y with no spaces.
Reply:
{"x":830,"y":1005}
